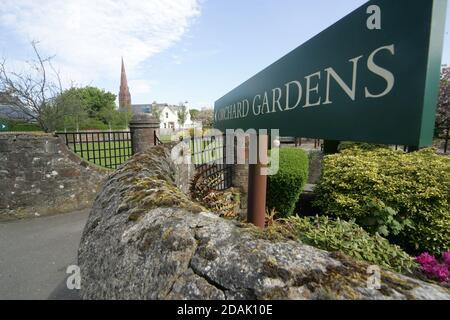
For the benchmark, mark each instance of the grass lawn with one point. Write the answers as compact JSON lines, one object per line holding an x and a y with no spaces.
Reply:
{"x":112,"y":154}
{"x":206,"y":152}
{"x":105,"y":154}
{"x":165,"y":138}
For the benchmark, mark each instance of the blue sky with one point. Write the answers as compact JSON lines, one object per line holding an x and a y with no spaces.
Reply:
{"x":174,"y":50}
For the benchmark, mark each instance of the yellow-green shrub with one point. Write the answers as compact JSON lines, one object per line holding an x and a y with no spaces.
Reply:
{"x":350,"y":239}
{"x":285,"y":187}
{"x":416,"y":186}
{"x":344,"y":145}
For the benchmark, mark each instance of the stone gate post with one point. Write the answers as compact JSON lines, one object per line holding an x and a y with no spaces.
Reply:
{"x":143,"y":128}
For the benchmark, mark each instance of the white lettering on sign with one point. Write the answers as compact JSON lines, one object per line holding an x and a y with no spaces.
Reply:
{"x":270,"y":101}
{"x":351,"y":92}
{"x":288,"y":92}
{"x":374,"y":21}
{"x":310,"y":90}
{"x":387,"y":75}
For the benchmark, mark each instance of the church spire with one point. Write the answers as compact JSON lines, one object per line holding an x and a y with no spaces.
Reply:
{"x":124,"y":93}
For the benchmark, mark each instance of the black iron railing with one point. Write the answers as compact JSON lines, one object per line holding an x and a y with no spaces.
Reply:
{"x":156,"y":139}
{"x":208,"y":154}
{"x":108,"y":149}
{"x":209,"y":157}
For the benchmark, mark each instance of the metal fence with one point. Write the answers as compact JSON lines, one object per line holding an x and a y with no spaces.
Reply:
{"x":208,"y":156}
{"x":108,"y":149}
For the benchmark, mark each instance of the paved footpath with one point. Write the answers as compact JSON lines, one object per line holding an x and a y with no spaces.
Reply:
{"x":35,"y":254}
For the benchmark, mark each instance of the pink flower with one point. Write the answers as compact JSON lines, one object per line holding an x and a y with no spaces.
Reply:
{"x":434,"y":270}
{"x":446,"y":258}
{"x":425,"y":259}
{"x":441,"y":272}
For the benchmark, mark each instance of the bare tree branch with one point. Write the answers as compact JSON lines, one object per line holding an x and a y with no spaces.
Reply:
{"x":32,"y":93}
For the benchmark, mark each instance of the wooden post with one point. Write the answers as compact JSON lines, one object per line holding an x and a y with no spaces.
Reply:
{"x":257,"y":187}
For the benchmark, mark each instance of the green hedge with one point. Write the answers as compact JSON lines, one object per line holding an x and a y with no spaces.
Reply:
{"x":350,"y":239}
{"x":404,"y":194}
{"x":285,"y":187}
{"x":361,"y":145}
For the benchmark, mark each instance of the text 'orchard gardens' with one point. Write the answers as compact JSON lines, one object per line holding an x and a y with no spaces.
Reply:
{"x":305,"y":93}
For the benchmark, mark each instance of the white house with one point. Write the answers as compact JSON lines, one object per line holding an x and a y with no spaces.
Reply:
{"x":169,"y":116}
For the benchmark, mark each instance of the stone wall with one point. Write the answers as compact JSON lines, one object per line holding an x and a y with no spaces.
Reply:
{"x":40,"y":176}
{"x":145,"y":239}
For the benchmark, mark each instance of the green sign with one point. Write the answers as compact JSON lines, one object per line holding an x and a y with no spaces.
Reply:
{"x":373,"y":76}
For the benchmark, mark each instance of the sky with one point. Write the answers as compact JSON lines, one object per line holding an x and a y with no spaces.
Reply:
{"x":174,"y":50}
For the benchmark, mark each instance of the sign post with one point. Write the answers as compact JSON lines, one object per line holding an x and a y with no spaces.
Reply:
{"x":371,"y":77}
{"x":257,"y":186}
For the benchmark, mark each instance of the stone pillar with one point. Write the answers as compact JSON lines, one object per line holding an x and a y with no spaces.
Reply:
{"x":143,"y":129}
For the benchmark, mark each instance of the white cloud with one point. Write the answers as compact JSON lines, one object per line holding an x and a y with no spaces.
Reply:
{"x":89,"y":36}
{"x":177,"y":59}
{"x":141,"y":86}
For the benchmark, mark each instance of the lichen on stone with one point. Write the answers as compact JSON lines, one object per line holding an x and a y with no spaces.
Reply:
{"x":148,"y":182}
{"x":151,"y":192}
{"x":145,"y":239}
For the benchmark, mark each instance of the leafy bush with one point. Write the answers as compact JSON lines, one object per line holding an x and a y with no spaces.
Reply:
{"x":350,"y":239}
{"x":382,"y":219}
{"x":285,"y":187}
{"x":413,"y":189}
{"x":361,"y":145}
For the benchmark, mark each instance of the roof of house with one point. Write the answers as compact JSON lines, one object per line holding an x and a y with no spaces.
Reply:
{"x":141,"y":108}
{"x":9,"y":111}
{"x":147,"y":108}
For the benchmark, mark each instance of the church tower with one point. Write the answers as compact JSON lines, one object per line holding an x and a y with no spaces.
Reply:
{"x":124,"y":93}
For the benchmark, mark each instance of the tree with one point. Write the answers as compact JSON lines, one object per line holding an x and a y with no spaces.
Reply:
{"x":90,"y":106}
{"x":156,"y":111}
{"x":32,"y":93}
{"x":443,"y":108}
{"x":182,"y":115}
{"x":94,"y":99}
{"x":206,"y":116}
{"x":97,"y":100}
{"x":126,"y":117}
{"x":74,"y":109}
{"x":194,"y":113}
{"x":108,"y":116}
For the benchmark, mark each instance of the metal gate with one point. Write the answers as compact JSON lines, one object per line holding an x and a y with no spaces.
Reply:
{"x":108,"y":149}
{"x":208,"y":156}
